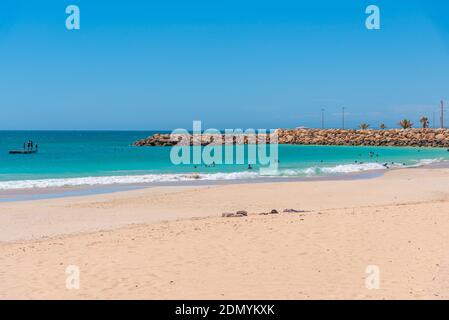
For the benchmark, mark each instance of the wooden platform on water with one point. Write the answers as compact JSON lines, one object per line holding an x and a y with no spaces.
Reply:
{"x":22,"y":151}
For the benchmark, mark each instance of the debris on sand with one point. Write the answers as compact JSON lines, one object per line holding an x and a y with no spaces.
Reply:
{"x":293,"y":211}
{"x":228,"y":215}
{"x":240,"y":213}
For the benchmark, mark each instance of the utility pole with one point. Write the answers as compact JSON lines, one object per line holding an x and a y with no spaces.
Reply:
{"x":322,"y":118}
{"x":434,"y":124}
{"x":343,"y":117}
{"x":442,"y":115}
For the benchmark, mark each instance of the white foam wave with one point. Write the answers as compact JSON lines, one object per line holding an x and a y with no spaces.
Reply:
{"x":338,"y":169}
{"x":355,"y":167}
{"x":154,"y":178}
{"x":425,"y":162}
{"x":132,"y":179}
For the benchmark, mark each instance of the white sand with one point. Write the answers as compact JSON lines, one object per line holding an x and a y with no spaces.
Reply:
{"x":398,"y":222}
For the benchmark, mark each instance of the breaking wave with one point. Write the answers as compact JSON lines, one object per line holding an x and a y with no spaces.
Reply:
{"x":155,"y":178}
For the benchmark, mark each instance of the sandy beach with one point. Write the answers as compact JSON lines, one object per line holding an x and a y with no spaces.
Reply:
{"x":172,"y":243}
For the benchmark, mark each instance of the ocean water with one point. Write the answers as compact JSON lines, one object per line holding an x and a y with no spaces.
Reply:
{"x":73,"y":158}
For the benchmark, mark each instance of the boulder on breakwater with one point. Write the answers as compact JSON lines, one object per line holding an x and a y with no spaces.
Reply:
{"x":336,"y":137}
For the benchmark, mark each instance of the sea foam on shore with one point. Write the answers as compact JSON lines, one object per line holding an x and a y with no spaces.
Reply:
{"x":220,"y":176}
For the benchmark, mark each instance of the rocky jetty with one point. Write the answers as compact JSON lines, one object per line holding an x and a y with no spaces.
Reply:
{"x":165,"y":140}
{"x":393,"y":137}
{"x":338,"y":137}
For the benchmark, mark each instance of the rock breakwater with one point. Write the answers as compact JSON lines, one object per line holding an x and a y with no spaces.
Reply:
{"x":338,"y":137}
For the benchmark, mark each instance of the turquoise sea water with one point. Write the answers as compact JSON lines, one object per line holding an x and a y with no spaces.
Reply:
{"x":67,"y":158}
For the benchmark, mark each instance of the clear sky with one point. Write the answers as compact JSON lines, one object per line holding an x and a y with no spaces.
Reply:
{"x":232,"y":64}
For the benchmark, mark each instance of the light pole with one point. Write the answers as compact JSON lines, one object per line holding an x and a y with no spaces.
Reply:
{"x":434,"y":125}
{"x":322,"y":118}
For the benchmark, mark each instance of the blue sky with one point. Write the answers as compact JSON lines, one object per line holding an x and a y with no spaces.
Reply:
{"x":261,"y":64}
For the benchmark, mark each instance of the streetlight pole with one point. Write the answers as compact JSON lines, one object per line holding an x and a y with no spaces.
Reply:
{"x":434,"y":125}
{"x":322,"y":118}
